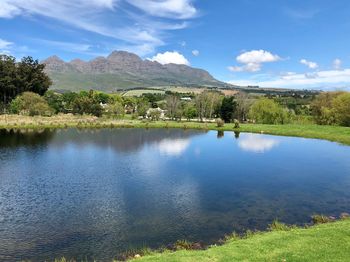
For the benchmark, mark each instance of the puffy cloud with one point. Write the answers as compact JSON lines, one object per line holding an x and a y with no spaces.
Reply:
{"x":309,"y":64}
{"x":176,"y":9}
{"x":252,"y":61}
{"x":337,"y":64}
{"x":257,"y":57}
{"x":170,"y":58}
{"x":195,"y":52}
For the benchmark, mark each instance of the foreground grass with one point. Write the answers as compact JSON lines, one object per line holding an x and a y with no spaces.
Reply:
{"x":332,"y":133}
{"x":325,"y":242}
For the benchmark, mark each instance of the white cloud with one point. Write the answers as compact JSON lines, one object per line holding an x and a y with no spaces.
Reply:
{"x":257,"y":143}
{"x":257,"y":57}
{"x":175,"y":9}
{"x":252,"y":60}
{"x":309,"y":64}
{"x":170,"y":58}
{"x":4,"y":44}
{"x":337,"y":64}
{"x":195,"y":52}
{"x":8,"y":10}
{"x":326,"y":79}
{"x":5,"y":47}
{"x":133,"y":29}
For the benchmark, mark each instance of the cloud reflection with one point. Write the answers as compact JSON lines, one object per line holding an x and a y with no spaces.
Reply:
{"x":173,"y":147}
{"x":257,"y":143}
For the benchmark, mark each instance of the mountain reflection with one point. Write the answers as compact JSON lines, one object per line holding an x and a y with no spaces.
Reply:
{"x":257,"y":143}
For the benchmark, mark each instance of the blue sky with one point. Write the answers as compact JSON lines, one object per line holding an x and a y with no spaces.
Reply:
{"x":272,"y":43}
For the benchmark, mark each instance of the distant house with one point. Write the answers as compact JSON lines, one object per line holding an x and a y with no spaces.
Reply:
{"x":186,"y":98}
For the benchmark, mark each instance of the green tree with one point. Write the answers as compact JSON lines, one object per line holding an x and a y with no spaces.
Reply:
{"x":8,"y":87}
{"x":173,"y":104}
{"x":228,"y":108}
{"x":87,"y":105}
{"x":142,"y":107}
{"x":267,"y":111}
{"x":341,"y":108}
{"x":25,"y":76}
{"x":29,"y":103}
{"x":115,"y":109}
{"x":322,"y":108}
{"x":190,"y":111}
{"x":55,"y":101}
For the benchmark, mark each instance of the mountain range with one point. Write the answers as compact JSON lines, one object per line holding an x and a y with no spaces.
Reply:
{"x":123,"y":70}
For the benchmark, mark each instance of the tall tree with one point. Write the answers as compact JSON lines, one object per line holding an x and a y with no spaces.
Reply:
{"x":173,"y":105}
{"x":228,"y":108}
{"x":16,"y":78}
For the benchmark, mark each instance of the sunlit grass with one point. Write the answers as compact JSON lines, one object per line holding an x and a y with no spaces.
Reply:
{"x":332,"y":133}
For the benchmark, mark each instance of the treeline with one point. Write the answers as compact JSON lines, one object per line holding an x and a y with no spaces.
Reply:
{"x":24,"y":90}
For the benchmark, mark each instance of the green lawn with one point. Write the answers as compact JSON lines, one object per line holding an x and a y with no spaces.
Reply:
{"x":326,"y":242}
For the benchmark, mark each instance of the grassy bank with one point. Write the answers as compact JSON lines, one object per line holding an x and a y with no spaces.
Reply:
{"x":325,"y":242}
{"x":332,"y":133}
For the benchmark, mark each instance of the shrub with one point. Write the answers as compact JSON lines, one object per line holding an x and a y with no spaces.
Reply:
{"x":183,"y":244}
{"x":115,"y":109}
{"x":320,"y":219}
{"x":236,"y":123}
{"x":31,"y":104}
{"x":267,"y":111}
{"x":87,"y":105}
{"x":220,"y":122}
{"x":341,"y":108}
{"x":154,"y":114}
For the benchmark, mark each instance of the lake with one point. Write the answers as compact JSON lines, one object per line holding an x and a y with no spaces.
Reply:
{"x":95,"y":193}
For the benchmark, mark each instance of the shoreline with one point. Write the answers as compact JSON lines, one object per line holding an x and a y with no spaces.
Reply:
{"x":323,"y":241}
{"x":331,"y":133}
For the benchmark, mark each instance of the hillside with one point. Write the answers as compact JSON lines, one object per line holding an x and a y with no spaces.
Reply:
{"x":122,"y":70}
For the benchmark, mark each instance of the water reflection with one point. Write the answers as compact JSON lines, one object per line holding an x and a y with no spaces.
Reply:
{"x":257,"y":143}
{"x":220,"y":134}
{"x":173,"y":147}
{"x":90,"y":194}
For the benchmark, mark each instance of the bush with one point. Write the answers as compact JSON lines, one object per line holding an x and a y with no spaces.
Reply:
{"x":267,"y":111}
{"x":341,"y":108}
{"x":154,"y":114}
{"x":87,"y":105}
{"x":220,"y":122}
{"x":31,"y":104}
{"x":115,"y":109}
{"x":278,"y":226}
{"x":320,"y":219}
{"x":236,"y":123}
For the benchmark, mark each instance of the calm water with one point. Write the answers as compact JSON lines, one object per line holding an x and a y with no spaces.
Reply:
{"x":94,"y":193}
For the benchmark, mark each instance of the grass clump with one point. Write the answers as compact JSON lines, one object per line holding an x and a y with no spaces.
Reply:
{"x":321,"y":219}
{"x":278,"y":226}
